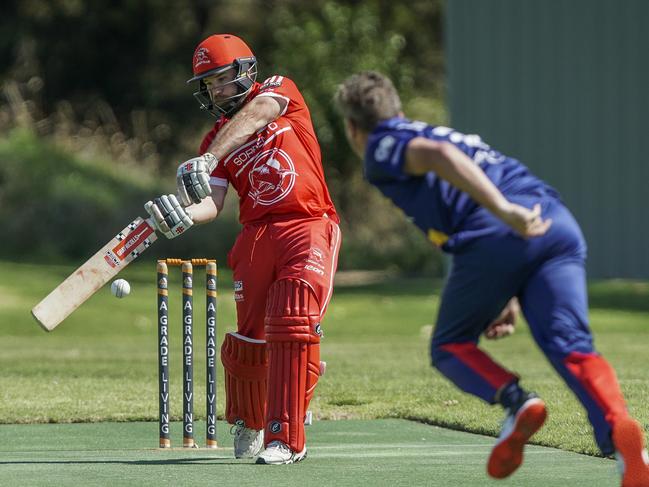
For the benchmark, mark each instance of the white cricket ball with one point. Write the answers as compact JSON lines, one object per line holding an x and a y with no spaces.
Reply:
{"x":120,"y":288}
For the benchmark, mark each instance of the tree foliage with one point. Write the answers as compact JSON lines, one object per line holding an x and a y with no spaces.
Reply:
{"x":117,"y":70}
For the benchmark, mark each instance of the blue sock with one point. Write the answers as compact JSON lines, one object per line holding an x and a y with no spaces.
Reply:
{"x":512,"y":396}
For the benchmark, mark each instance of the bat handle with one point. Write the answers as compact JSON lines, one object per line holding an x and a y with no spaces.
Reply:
{"x":180,"y":200}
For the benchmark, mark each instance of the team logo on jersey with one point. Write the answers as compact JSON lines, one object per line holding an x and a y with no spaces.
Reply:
{"x":201,"y":57}
{"x":272,"y":177}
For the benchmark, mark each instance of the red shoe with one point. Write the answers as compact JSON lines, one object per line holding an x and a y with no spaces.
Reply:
{"x":517,"y":429}
{"x":628,"y":439}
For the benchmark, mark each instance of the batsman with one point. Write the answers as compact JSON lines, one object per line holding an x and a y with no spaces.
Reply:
{"x":263,"y":145}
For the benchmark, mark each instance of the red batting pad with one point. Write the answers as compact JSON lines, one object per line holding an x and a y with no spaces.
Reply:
{"x":292,"y":316}
{"x":245,"y":364}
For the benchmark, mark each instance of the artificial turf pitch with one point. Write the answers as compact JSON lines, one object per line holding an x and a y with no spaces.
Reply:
{"x":388,"y":452}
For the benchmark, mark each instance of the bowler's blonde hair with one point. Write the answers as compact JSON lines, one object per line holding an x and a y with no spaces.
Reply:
{"x":366,"y":98}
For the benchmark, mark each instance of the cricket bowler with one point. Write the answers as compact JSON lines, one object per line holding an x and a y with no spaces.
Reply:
{"x":510,"y":236}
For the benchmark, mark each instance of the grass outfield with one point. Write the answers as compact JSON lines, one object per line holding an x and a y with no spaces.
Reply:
{"x":341,"y":453}
{"x":101,"y":363}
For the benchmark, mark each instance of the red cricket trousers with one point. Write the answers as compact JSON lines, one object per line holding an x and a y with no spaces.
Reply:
{"x":264,"y":252}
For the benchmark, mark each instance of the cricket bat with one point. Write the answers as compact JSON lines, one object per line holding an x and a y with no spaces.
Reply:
{"x":127,"y":246}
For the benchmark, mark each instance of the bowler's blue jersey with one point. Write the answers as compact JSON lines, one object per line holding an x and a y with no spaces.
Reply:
{"x":442,"y":211}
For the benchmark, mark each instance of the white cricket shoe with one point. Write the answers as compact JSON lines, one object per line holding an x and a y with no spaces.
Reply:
{"x":278,"y":453}
{"x":247,"y":442}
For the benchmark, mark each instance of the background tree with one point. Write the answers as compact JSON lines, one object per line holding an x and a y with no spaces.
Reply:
{"x":108,"y":79}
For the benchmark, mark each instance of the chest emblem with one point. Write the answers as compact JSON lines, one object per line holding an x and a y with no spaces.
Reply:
{"x":272,"y":177}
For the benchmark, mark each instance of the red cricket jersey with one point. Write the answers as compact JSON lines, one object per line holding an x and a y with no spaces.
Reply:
{"x":278,"y":171}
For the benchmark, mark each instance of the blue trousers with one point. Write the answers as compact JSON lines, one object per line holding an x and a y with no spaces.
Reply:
{"x":548,"y":276}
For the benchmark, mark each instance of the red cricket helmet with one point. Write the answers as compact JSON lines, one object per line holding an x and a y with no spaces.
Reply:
{"x":215,"y":55}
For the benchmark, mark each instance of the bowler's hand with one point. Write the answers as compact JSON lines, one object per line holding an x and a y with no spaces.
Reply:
{"x":527,"y":223}
{"x":503,"y":326}
{"x":168,"y":215}
{"x":193,"y":179}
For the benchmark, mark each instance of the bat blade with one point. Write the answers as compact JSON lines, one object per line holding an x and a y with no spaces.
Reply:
{"x":127,"y":246}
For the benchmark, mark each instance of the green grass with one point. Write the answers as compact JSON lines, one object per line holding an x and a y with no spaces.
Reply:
{"x":341,"y":453}
{"x":101,"y":363}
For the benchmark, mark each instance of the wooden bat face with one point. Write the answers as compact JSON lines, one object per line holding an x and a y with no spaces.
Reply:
{"x":127,"y":246}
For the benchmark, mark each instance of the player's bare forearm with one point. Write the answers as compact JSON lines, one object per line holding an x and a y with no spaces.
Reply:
{"x":253,"y":116}
{"x":208,"y":209}
{"x":452,"y":165}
